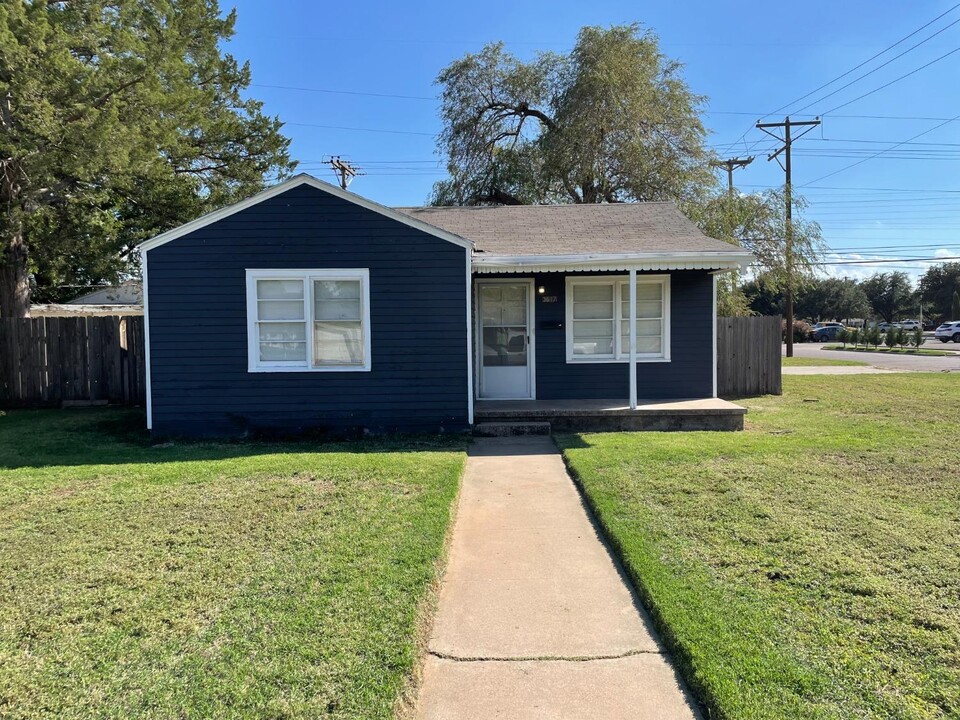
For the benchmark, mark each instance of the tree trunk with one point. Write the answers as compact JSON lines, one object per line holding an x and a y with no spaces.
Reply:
{"x":14,"y":277}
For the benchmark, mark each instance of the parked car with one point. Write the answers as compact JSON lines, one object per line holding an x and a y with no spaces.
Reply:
{"x":948,"y":331}
{"x":819,"y":325}
{"x":885,"y":326}
{"x":909,"y":324}
{"x":929,"y":325}
{"x":825,"y":333}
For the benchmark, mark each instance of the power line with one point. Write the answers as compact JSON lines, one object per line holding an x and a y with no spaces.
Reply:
{"x":345,"y":92}
{"x":360,"y":129}
{"x":881,"y":261}
{"x":895,"y":80}
{"x":825,"y":187}
{"x":851,"y":117}
{"x":881,"y":152}
{"x":865,"y":62}
{"x":883,"y":65}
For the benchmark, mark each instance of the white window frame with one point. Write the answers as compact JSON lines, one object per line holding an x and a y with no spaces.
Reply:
{"x":620,"y":354}
{"x":308,"y":277}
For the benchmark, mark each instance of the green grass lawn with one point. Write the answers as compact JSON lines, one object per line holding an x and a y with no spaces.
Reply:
{"x":199,"y":580}
{"x":817,"y":362}
{"x":893,"y":351}
{"x":808,"y":567}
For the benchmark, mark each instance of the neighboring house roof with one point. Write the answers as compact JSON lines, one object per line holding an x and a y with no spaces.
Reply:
{"x":86,"y":310}
{"x":295,"y":181}
{"x":129,"y":292}
{"x":610,"y":228}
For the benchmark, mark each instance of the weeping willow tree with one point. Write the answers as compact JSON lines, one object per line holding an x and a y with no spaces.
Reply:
{"x":612,"y":121}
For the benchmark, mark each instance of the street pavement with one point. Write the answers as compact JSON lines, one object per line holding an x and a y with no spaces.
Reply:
{"x":894,"y":361}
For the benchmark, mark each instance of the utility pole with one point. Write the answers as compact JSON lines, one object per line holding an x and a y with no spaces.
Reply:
{"x":788,"y":141}
{"x":344,"y":171}
{"x":730,"y":165}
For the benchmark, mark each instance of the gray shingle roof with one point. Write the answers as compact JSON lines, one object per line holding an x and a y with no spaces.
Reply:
{"x":527,"y":230}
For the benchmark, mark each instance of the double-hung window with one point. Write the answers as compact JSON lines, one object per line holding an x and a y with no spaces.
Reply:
{"x":598,"y":319}
{"x":308,"y":320}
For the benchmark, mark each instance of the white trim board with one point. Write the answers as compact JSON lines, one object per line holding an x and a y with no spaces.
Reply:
{"x":530,"y":283}
{"x":618,"y":280}
{"x":146,"y":342}
{"x":470,"y":363}
{"x":296,"y":181}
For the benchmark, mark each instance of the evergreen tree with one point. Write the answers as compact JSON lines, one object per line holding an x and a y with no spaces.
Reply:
{"x":118,"y":120}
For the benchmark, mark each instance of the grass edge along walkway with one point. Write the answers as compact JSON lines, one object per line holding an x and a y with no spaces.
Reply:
{"x":799,"y":569}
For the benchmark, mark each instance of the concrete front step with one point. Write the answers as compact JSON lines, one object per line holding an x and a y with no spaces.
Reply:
{"x":508,"y":429}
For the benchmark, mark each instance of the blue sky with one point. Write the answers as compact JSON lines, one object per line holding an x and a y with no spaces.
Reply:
{"x":749,"y":59}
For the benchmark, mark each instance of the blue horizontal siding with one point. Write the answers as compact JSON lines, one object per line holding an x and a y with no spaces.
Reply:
{"x":198,"y":324}
{"x":689,"y":374}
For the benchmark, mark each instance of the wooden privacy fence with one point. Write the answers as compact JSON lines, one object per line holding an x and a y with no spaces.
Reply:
{"x":51,"y":361}
{"x":748,"y":356}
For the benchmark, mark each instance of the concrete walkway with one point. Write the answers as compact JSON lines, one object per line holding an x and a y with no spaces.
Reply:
{"x":535,"y":620}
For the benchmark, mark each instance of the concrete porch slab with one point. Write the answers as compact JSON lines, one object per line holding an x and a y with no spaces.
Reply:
{"x":615,"y":415}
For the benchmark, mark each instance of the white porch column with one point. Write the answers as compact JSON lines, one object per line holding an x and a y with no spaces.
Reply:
{"x":633,"y":340}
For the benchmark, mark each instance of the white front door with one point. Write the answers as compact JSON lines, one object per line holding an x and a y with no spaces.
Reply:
{"x":506,"y":353}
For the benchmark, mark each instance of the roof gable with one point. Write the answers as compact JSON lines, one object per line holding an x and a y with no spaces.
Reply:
{"x":297,"y":181}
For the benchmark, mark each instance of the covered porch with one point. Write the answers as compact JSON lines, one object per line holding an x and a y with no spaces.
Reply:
{"x":508,"y":417}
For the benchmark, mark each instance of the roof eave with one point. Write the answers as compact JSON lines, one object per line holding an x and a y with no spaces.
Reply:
{"x":694,"y":260}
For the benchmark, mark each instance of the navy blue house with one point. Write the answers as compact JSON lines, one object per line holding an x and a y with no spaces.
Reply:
{"x":308,"y":307}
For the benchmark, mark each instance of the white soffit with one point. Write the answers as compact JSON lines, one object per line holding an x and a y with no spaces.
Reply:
{"x":586,"y":263}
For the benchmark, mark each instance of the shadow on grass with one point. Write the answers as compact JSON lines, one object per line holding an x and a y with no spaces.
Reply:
{"x":112,"y":436}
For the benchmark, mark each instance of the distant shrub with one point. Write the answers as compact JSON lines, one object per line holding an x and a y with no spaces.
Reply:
{"x":843,"y":335}
{"x":873,"y":337}
{"x":890,"y":339}
{"x":917,"y":338}
{"x":903,"y":338}
{"x":801,"y":331}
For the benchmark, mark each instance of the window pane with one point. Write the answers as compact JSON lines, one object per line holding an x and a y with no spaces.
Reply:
{"x":336,"y":289}
{"x":648,"y":291}
{"x":514,"y":294}
{"x":337,"y":310}
{"x":337,"y":300}
{"x":280,"y":289}
{"x":283,"y":351}
{"x":649,"y":309}
{"x":592,"y":310}
{"x":650,"y":345}
{"x":283,"y":332}
{"x":504,"y":346}
{"x":513,"y":313}
{"x":645,"y":344}
{"x":592,"y":292}
{"x":647,"y":328}
{"x":337,"y":343}
{"x":593,"y":346}
{"x":592,"y":328}
{"x":280,"y":309}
